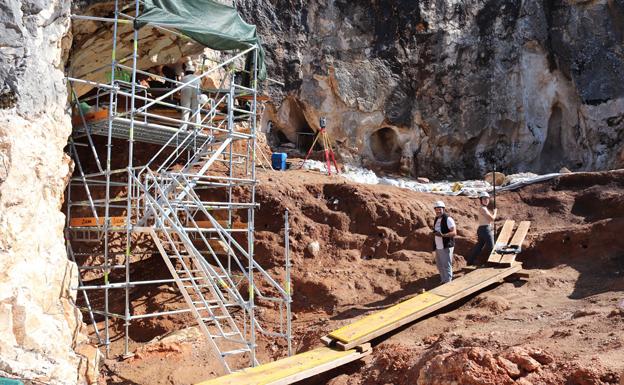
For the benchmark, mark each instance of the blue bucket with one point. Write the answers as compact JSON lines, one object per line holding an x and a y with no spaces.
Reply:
{"x":278,"y":160}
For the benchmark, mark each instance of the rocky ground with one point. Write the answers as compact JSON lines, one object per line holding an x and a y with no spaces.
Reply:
{"x":563,"y":325}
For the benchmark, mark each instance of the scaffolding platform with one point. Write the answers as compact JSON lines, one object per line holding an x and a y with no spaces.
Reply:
{"x":127,"y":199}
{"x":143,"y":132}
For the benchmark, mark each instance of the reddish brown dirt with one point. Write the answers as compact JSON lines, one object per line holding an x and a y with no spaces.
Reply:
{"x":561,"y":326}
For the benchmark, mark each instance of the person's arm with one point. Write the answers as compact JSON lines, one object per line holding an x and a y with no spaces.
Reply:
{"x":488,"y":215}
{"x":451,"y":233}
{"x":450,"y":223}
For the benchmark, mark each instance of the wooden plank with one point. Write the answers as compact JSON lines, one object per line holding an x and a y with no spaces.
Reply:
{"x":223,"y":223}
{"x":367,"y":325}
{"x":466,"y":281}
{"x":292,"y":369}
{"x":93,"y":222}
{"x":259,"y":97}
{"x":517,"y":240}
{"x":522,"y":274}
{"x":120,"y":221}
{"x":468,"y":284}
{"x":521,"y":233}
{"x":503,"y":240}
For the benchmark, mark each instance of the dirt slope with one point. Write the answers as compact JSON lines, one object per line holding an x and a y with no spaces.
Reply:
{"x":562,"y":326}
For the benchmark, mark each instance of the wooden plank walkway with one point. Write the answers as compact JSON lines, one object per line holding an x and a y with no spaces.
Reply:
{"x":93,"y":222}
{"x":351,"y":342}
{"x":380,"y":323}
{"x":292,"y":369}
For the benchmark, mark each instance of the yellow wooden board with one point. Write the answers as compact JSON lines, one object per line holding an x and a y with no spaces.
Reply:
{"x":472,"y":280}
{"x":290,"y":369}
{"x":223,"y":223}
{"x":521,"y":233}
{"x":503,"y":240}
{"x":379,"y":320}
{"x":93,"y":222}
{"x":517,"y":240}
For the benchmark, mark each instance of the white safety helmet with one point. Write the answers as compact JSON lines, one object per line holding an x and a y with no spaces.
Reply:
{"x":439,"y":204}
{"x":189,"y":67}
{"x":484,"y":194}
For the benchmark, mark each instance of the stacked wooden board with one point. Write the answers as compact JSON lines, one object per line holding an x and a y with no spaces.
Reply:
{"x":509,"y":244}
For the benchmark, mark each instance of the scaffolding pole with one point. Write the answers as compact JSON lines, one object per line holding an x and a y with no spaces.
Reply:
{"x":163,"y":201}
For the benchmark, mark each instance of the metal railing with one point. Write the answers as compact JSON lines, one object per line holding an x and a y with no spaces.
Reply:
{"x":210,"y":150}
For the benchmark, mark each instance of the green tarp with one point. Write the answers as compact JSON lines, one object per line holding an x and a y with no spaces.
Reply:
{"x":208,"y":22}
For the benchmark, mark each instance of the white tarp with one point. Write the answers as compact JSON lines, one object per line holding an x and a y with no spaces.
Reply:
{"x":468,"y":187}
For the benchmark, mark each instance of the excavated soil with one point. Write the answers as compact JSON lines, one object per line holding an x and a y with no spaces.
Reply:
{"x":562,"y":325}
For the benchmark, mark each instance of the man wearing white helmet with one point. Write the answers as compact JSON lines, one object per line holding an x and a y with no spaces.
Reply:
{"x":189,"y":94}
{"x":444,"y":232}
{"x":485,"y":237}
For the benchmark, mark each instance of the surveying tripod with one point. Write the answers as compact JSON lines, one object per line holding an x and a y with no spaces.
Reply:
{"x":326,"y":143}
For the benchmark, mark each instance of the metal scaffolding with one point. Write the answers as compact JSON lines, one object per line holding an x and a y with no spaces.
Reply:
{"x":192,"y":201}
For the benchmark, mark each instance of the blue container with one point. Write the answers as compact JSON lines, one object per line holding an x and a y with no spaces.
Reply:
{"x":278,"y":160}
{"x":7,"y":381}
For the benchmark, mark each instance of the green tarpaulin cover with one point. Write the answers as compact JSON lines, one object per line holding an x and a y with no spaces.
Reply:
{"x":208,"y":22}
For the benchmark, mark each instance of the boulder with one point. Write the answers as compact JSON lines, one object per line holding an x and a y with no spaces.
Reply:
{"x":313,"y":248}
{"x":522,"y":358}
{"x":497,"y":178}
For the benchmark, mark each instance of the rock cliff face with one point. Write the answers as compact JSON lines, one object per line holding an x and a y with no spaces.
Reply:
{"x":40,"y":329}
{"x":447,"y":87}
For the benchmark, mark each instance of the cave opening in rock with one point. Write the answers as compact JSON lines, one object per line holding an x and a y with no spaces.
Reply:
{"x":384,"y":145}
{"x":552,"y":157}
{"x":293,"y":129}
{"x":281,"y":137}
{"x":305,"y":138}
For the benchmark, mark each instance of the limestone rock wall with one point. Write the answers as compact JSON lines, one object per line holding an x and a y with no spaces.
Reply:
{"x":92,"y":45}
{"x":41,"y":334}
{"x":447,"y":87}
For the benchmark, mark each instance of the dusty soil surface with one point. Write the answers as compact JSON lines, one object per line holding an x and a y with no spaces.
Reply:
{"x":563,"y":325}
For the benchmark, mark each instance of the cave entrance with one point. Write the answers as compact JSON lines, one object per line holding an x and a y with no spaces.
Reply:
{"x":552,"y":157}
{"x":305,"y":138}
{"x":384,"y":145}
{"x":294,"y":130}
